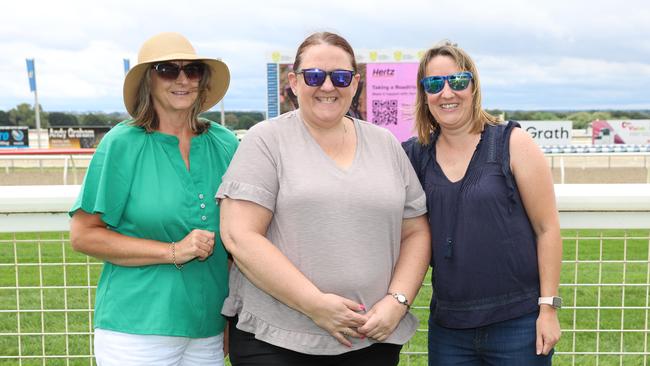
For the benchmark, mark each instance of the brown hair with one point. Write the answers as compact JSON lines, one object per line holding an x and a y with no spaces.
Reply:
{"x":329,"y":38}
{"x":146,"y":117}
{"x":425,"y":123}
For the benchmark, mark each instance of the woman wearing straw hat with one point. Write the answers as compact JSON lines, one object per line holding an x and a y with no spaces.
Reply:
{"x":146,"y":209}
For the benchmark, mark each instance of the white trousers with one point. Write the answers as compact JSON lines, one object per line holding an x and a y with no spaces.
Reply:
{"x":123,"y":349}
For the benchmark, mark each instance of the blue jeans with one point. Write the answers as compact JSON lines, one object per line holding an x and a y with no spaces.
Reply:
{"x":511,"y":343}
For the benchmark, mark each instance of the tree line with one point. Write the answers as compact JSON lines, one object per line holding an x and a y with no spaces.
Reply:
{"x":580,"y":119}
{"x":23,"y":115}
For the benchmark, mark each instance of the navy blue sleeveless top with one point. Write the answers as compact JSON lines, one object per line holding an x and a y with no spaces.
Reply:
{"x":484,"y":250}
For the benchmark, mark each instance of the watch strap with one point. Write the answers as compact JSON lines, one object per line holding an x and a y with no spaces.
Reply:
{"x":401,"y":298}
{"x":554,"y":301}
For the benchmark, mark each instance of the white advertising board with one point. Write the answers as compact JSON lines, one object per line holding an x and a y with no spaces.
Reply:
{"x":549,"y":132}
{"x":621,"y":132}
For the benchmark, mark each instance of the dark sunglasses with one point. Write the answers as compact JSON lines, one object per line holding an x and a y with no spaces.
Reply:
{"x":458,"y":81}
{"x":316,"y":77}
{"x":170,"y":71}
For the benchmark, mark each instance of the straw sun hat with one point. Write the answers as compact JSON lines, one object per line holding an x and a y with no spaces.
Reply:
{"x":168,"y":47}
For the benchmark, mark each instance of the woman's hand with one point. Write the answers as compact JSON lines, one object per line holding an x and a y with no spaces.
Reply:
{"x":339,"y":317}
{"x":383,"y":318}
{"x":548,"y":330}
{"x":90,"y":235}
{"x":197,"y":244}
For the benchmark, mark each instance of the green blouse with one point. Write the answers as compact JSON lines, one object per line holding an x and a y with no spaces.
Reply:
{"x":140,"y":185}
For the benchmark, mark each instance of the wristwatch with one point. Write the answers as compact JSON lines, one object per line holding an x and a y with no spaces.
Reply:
{"x":554,"y":301}
{"x":401,"y":298}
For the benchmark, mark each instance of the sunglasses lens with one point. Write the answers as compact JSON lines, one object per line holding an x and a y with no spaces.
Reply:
{"x":341,"y":78}
{"x":433,"y":84}
{"x":459,"y":81}
{"x":167,"y":70}
{"x":314,"y":77}
{"x":194,"y":71}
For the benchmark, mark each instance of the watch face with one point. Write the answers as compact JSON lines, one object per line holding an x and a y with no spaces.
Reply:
{"x":557,"y":302}
{"x":401,"y":298}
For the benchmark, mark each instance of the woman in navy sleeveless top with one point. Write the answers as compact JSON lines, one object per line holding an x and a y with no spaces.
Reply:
{"x":495,"y":233}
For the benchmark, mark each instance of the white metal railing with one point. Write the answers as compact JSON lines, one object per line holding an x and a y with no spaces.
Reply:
{"x":608,"y":160}
{"x":57,"y":158}
{"x":47,"y":290}
{"x":557,"y":160}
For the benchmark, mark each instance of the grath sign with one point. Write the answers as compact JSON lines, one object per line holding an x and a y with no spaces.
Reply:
{"x":549,"y":132}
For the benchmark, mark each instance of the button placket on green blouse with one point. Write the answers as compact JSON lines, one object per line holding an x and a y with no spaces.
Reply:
{"x":193,"y":179}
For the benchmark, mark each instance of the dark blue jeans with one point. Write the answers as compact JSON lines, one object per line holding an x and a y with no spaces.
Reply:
{"x":507,"y":343}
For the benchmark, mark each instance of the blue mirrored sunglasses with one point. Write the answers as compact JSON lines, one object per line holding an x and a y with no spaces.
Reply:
{"x":316,"y":77}
{"x":458,"y":81}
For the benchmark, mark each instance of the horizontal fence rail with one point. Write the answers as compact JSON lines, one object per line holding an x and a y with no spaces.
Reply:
{"x":68,"y":158}
{"x":47,"y":290}
{"x":563,"y":158}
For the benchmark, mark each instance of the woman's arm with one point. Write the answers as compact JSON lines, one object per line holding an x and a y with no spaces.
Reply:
{"x":535,"y":184}
{"x":411,"y":267}
{"x":89,"y":235}
{"x":243,"y":228}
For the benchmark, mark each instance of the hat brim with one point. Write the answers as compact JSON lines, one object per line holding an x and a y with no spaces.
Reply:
{"x":219,"y":80}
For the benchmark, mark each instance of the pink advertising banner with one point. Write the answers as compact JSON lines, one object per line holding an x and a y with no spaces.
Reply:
{"x":385,"y":96}
{"x":390,"y":96}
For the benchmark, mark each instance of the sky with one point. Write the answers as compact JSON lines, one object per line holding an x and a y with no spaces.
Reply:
{"x":531,"y":55}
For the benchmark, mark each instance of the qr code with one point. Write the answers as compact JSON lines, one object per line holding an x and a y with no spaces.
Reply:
{"x":384,"y":112}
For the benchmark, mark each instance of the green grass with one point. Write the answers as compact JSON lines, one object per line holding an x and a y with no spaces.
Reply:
{"x":580,"y":249}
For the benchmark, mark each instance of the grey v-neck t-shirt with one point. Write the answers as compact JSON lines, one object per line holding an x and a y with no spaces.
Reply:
{"x":340,"y":228}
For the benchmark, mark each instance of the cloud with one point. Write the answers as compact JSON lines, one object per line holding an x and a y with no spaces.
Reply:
{"x":592,"y":53}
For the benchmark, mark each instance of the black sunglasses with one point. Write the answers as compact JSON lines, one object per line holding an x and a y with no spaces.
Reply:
{"x":316,"y":77}
{"x":170,"y":71}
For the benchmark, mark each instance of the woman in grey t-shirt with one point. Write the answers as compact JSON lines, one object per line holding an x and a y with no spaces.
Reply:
{"x":325,"y":219}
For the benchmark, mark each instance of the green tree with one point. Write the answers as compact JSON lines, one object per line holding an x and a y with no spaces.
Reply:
{"x":212,"y":116}
{"x":580,"y":119}
{"x":57,"y":119}
{"x":92,"y":119}
{"x":117,"y":117}
{"x":256,"y":116}
{"x":519,"y":115}
{"x":633,"y":115}
{"x":601,"y":115}
{"x":22,"y":115}
{"x":235,"y":120}
{"x":230,"y":120}
{"x":494,"y":112}
{"x":4,"y":119}
{"x":543,"y":116}
{"x":245,"y":122}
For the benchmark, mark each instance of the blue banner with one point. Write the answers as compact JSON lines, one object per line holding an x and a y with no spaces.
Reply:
{"x":14,"y":136}
{"x":272,"y":103}
{"x":31,"y":74}
{"x":127,"y":65}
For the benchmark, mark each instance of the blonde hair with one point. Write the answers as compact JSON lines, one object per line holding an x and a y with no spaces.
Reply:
{"x":146,"y":117}
{"x":425,"y":123}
